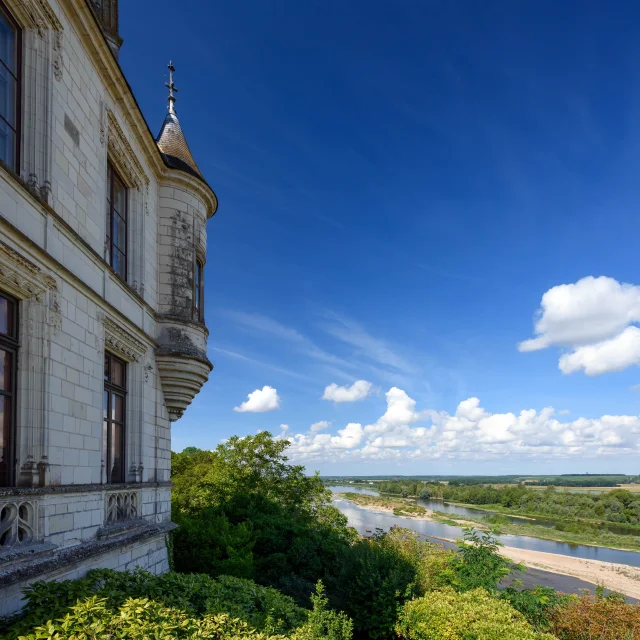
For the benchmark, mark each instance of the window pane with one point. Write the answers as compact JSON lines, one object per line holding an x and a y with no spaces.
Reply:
{"x":119,"y":232}
{"x":7,"y":43}
{"x":119,"y":198}
{"x":197,"y":286}
{"x":5,"y":440}
{"x":6,"y":316}
{"x":117,"y":408}
{"x":119,"y":263}
{"x":7,"y":138}
{"x":116,"y":471}
{"x":6,"y":362}
{"x":117,"y":372}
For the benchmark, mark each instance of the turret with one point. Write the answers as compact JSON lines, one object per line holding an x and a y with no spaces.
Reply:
{"x":186,"y":202}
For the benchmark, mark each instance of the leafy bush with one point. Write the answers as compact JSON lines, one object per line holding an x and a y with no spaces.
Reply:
{"x":597,"y":618}
{"x":175,"y":597}
{"x":472,"y":615}
{"x":374,"y":580}
{"x":537,"y":605}
{"x":479,"y":565}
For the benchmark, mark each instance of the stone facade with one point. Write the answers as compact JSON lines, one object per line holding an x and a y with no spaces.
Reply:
{"x":61,"y":513}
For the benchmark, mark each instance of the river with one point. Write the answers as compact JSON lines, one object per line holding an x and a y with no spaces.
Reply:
{"x":364,"y":520}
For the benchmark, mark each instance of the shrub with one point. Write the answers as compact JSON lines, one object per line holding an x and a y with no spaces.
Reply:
{"x":374,"y":581}
{"x":537,"y":605}
{"x":472,"y":615}
{"x":597,"y":618}
{"x":176,"y":597}
{"x":479,"y":565}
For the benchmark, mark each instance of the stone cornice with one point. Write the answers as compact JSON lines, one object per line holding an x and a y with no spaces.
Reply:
{"x":20,"y":277}
{"x":83,"y":20}
{"x":121,"y":342}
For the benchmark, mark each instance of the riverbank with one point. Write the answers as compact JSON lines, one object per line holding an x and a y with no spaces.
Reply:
{"x":617,"y":577}
{"x":401,"y":507}
{"x":592,"y":536}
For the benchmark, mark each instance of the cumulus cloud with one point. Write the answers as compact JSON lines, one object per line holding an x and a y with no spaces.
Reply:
{"x":319,"y":426}
{"x":594,"y":319}
{"x":260,"y":400}
{"x":471,"y":432}
{"x":357,"y":391}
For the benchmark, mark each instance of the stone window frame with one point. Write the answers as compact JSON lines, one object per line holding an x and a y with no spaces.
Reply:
{"x":113,"y":177}
{"x":39,"y":316}
{"x":42,"y":60}
{"x":119,"y":342}
{"x":111,"y":390}
{"x":121,"y":156}
{"x":11,"y":342}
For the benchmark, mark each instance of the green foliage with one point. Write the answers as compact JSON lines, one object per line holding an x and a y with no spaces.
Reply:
{"x":374,"y":580}
{"x":243,"y":510}
{"x":324,"y":623}
{"x":537,"y":605}
{"x":174,"y":597}
{"x":479,"y":564}
{"x":472,"y":615}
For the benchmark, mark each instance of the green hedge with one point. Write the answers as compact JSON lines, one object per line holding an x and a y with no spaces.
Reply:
{"x":111,"y":604}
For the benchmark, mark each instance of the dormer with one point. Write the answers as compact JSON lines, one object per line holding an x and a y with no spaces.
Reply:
{"x":106,"y":12}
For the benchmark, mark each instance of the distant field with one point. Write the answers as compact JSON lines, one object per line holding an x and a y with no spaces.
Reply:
{"x":634,"y":488}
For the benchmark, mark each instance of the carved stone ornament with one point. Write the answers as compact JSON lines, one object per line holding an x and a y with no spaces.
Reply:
{"x":122,"y":155}
{"x":58,"y":60}
{"x":36,"y":14}
{"x":122,"y":343}
{"x":20,"y":277}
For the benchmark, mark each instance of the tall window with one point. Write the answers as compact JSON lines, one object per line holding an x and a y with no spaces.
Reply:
{"x":10,"y":66}
{"x":117,"y":223}
{"x":113,"y":429}
{"x":8,"y":365}
{"x":198,"y":291}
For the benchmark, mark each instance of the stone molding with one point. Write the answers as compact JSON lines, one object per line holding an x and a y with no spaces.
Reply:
{"x":122,"y":343}
{"x":13,"y":492}
{"x":36,"y":14}
{"x":122,"y":155}
{"x":21,"y":278}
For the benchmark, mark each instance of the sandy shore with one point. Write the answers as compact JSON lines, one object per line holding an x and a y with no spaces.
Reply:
{"x":617,"y":577}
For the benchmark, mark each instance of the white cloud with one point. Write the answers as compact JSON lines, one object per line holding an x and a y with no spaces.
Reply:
{"x":357,"y":391}
{"x":319,"y":426}
{"x":260,"y":400}
{"x":471,"y":432}
{"x":615,"y":354}
{"x":284,"y":428}
{"x":593,"y":318}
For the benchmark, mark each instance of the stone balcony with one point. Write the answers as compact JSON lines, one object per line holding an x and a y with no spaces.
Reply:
{"x":182,"y":362}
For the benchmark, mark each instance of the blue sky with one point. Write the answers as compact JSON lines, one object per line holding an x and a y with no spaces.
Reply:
{"x":400,"y":184}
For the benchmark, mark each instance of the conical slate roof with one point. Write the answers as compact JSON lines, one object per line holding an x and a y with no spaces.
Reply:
{"x":174,"y":147}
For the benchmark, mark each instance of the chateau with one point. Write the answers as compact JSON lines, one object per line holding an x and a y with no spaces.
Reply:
{"x":102,"y":333}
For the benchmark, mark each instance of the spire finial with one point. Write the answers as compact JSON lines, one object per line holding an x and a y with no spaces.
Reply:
{"x":171,"y":87}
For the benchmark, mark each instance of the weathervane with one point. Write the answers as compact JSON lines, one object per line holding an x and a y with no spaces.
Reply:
{"x":171,"y":87}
